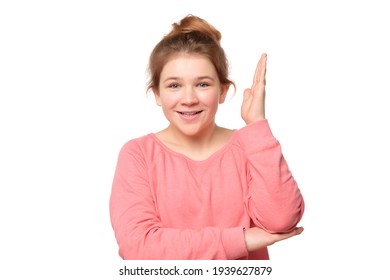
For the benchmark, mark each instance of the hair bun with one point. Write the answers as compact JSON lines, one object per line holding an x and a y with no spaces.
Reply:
{"x":193,"y":23}
{"x":194,"y":36}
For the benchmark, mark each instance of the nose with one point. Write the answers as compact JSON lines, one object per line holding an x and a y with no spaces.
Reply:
{"x":189,"y":96}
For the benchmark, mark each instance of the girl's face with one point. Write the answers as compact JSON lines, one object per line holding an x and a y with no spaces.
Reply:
{"x":189,"y":93}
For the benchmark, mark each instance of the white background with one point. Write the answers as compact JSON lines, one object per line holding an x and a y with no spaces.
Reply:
{"x":72,"y":85}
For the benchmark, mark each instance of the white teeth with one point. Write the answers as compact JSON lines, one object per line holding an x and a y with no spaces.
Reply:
{"x":189,"y":114}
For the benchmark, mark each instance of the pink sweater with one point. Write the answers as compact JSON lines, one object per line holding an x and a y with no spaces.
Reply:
{"x":164,"y":205}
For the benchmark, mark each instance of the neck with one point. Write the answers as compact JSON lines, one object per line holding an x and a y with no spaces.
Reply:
{"x":197,"y":142}
{"x":197,"y":147}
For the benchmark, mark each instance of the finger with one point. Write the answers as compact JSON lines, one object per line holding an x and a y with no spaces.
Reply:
{"x":246,"y":102}
{"x":260,"y":70}
{"x":257,"y":71}
{"x":263,"y":69}
{"x":294,"y":232}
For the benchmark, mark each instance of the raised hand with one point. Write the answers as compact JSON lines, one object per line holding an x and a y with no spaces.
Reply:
{"x":253,"y":104}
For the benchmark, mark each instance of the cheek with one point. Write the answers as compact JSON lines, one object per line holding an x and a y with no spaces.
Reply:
{"x":211,"y":100}
{"x":168,"y":101}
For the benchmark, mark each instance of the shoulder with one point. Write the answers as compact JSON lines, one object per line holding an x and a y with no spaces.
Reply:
{"x":138,"y":143}
{"x":143,"y":148}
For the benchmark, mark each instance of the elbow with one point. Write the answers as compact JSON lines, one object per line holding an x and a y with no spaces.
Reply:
{"x":129,"y":246}
{"x":282,"y":221}
{"x":130,"y":251}
{"x":280,"y":224}
{"x":133,"y":246}
{"x":127,"y":251}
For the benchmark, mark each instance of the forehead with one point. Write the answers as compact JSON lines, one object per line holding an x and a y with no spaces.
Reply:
{"x":187,"y":65}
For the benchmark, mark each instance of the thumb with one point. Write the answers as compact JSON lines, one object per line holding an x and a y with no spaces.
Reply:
{"x":247,"y":94}
{"x":246,"y":103}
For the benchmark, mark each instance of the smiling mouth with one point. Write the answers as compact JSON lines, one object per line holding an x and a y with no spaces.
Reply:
{"x":189,"y":113}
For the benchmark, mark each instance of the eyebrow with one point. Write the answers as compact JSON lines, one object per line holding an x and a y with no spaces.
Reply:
{"x":197,"y":78}
{"x":205,"y":77}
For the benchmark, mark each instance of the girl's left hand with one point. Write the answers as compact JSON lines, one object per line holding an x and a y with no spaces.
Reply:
{"x":257,"y":238}
{"x":253,"y":104}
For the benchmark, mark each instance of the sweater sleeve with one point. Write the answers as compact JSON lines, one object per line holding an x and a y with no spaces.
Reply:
{"x":139,"y":231}
{"x":274,"y":200}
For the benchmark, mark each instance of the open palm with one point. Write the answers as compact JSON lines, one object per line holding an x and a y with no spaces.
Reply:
{"x":253,"y":104}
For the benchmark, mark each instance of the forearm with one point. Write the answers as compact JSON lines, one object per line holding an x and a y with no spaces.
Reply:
{"x":274,"y":200}
{"x":185,"y":244}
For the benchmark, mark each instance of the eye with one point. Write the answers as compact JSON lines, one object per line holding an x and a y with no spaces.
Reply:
{"x":174,"y":85}
{"x":203,"y":85}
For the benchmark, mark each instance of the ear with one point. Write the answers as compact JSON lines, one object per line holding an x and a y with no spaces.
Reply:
{"x":157,"y":96}
{"x":224,"y":91}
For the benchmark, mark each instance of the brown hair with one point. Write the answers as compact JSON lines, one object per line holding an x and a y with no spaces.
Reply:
{"x":191,"y":35}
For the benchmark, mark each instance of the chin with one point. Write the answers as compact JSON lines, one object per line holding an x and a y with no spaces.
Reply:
{"x":188,"y":131}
